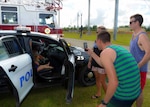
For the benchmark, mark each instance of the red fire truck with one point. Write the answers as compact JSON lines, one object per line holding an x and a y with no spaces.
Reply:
{"x":39,"y":16}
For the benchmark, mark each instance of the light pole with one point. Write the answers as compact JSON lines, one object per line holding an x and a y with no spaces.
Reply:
{"x":115,"y":19}
{"x":81,"y":28}
{"x":58,"y":18}
{"x":89,"y":32}
{"x":77,"y":21}
{"x":81,"y":19}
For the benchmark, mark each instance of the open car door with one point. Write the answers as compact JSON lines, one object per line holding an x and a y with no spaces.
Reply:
{"x":15,"y":68}
{"x":70,"y":71}
{"x":71,"y":78}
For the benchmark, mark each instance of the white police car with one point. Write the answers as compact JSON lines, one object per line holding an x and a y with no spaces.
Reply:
{"x":19,"y":74}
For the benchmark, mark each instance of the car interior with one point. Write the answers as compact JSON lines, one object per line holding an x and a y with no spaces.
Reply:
{"x":51,"y":52}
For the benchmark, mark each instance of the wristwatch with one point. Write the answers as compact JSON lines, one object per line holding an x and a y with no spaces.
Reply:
{"x":103,"y":102}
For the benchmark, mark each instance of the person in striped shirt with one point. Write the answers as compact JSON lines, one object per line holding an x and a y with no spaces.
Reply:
{"x":123,"y":86}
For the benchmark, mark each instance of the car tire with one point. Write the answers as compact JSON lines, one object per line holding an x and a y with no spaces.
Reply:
{"x":86,"y":77}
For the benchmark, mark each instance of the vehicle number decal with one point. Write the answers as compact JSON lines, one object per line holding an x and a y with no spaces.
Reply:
{"x":80,"y":57}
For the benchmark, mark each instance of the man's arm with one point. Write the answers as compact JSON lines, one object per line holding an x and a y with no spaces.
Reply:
{"x":89,"y":62}
{"x":144,"y":45}
{"x":107,"y":58}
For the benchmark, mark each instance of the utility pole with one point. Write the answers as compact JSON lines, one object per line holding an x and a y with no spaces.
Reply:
{"x":59,"y":18}
{"x":77,"y":21}
{"x":81,"y":18}
{"x":89,"y":32}
{"x":116,"y":19}
{"x":81,"y":28}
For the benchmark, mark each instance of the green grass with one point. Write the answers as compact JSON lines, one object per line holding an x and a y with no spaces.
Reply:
{"x":122,"y":38}
{"x":55,"y":97}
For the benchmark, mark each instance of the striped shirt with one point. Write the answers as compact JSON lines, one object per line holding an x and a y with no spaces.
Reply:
{"x":127,"y":73}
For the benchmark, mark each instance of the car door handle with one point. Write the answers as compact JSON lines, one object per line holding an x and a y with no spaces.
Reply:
{"x":13,"y":68}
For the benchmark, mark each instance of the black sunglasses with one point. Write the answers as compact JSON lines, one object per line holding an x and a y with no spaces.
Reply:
{"x":132,"y":22}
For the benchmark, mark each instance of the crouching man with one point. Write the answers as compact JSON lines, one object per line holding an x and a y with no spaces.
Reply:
{"x":122,"y":72}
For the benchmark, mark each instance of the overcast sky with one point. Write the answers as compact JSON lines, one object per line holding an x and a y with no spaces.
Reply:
{"x":102,"y":12}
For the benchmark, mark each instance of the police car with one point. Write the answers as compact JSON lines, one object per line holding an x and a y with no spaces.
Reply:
{"x":19,"y":74}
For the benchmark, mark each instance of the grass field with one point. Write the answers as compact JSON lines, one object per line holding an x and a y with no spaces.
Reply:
{"x":122,"y":38}
{"x":55,"y":96}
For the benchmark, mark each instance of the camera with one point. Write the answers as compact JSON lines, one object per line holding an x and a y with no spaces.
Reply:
{"x":85,"y":46}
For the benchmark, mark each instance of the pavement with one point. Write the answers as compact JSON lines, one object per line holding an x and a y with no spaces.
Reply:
{"x":77,"y":42}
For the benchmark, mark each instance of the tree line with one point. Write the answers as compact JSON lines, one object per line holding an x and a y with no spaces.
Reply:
{"x":94,"y":27}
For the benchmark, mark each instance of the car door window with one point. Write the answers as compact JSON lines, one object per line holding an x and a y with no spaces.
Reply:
{"x":9,"y":48}
{"x":12,"y":47}
{"x":3,"y":52}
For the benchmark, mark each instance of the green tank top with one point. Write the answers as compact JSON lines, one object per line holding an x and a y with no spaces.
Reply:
{"x":128,"y":74}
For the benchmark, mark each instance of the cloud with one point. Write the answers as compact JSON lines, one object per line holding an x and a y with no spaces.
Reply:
{"x":102,"y":12}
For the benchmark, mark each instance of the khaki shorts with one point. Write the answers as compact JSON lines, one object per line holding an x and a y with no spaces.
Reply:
{"x":99,"y":70}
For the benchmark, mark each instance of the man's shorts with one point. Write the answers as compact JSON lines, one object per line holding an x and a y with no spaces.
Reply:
{"x":143,"y":79}
{"x":99,"y":70}
{"x":120,"y":103}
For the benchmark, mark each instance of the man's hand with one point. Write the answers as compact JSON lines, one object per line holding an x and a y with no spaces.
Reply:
{"x":89,"y":51}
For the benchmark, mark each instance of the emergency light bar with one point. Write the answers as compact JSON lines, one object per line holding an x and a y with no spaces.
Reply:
{"x":22,"y":28}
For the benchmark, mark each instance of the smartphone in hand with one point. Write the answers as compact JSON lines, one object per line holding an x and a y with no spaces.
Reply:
{"x":85,"y":45}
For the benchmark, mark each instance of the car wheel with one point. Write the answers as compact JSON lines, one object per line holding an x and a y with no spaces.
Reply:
{"x":86,"y":77}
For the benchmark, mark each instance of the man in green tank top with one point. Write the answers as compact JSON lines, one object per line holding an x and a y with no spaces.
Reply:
{"x":123,"y":86}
